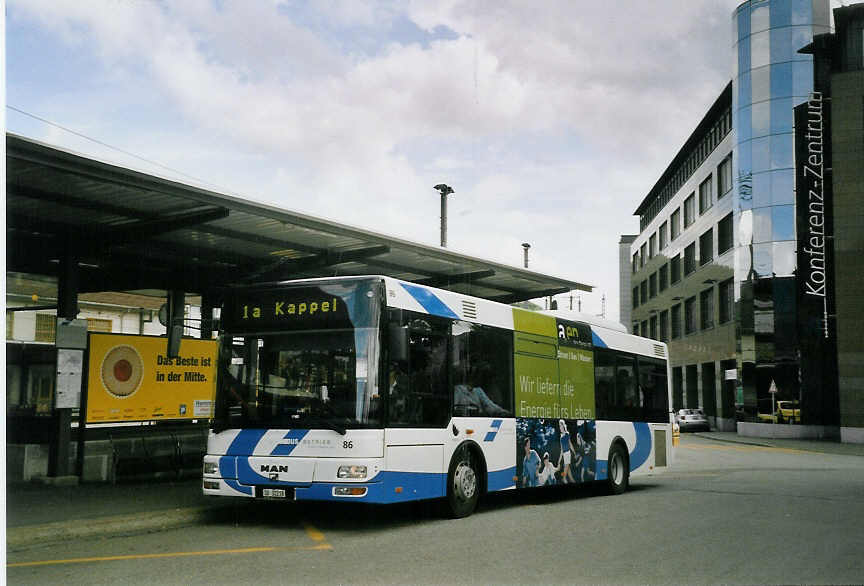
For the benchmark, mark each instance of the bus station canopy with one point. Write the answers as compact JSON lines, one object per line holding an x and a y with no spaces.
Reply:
{"x":131,"y":231}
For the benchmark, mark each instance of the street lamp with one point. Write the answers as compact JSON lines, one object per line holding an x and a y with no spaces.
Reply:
{"x":444,"y":190}
{"x":526,"y":246}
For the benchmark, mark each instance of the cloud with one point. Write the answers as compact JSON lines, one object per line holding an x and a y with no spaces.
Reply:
{"x":551,"y":122}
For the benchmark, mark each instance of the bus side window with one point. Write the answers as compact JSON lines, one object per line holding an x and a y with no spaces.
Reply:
{"x":653,"y":384}
{"x":617,"y":392}
{"x":481,"y":370}
{"x":625,"y":383}
{"x":604,"y":382}
{"x":418,"y":386}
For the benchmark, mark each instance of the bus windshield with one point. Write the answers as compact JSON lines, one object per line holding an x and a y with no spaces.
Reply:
{"x":289,"y":376}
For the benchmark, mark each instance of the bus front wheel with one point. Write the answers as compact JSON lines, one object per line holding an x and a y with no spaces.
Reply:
{"x":619,"y":470}
{"x":463,"y":484}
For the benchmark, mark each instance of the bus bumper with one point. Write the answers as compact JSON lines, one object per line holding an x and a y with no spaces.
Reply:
{"x":385,"y":488}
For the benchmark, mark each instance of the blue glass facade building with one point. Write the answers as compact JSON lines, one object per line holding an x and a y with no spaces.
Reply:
{"x":718,"y":230}
{"x":769,"y":79}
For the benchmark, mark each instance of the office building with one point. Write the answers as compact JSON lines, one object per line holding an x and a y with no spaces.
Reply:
{"x":734,"y":263}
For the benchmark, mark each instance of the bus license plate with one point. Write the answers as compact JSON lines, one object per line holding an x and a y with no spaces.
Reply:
{"x":273,"y":493}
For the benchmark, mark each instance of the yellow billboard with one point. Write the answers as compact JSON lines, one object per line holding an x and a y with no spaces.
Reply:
{"x":130,"y":378}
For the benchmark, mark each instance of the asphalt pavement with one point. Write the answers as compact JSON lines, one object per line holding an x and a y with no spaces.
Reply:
{"x":38,"y":514}
{"x":42,"y":514}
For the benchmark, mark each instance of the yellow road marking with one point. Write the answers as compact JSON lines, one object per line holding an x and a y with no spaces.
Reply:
{"x":315,"y":535}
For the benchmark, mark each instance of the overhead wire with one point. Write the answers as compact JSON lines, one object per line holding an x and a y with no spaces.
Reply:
{"x":118,"y":149}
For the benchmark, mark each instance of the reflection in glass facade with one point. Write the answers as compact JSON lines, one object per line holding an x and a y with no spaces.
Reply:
{"x":770,"y":79}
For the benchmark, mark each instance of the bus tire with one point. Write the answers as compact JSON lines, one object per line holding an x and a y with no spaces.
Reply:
{"x":618,"y":477}
{"x":463,"y":483}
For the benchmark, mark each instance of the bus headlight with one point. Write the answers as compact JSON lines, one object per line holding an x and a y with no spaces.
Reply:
{"x":351,"y":472}
{"x":210,"y":467}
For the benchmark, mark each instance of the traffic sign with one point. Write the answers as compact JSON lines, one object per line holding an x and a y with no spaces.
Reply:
{"x":773,"y":389}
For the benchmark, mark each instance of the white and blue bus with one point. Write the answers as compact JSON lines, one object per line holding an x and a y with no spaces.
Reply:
{"x":378,"y":390}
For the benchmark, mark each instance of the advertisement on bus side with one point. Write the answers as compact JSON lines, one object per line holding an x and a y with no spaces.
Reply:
{"x":555,"y":451}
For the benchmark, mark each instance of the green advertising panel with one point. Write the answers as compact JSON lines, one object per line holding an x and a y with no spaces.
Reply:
{"x":536,"y":386}
{"x":576,"y":378}
{"x":532,"y":322}
{"x":554,"y":375}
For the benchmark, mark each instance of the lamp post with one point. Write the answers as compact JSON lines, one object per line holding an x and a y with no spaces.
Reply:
{"x":526,"y":246}
{"x":444,"y":190}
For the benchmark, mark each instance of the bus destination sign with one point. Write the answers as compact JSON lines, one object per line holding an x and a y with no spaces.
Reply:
{"x":292,"y":309}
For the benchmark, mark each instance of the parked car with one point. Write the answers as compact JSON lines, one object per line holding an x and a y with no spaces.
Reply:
{"x":692,"y":420}
{"x":790,"y":411}
{"x":785,"y":412}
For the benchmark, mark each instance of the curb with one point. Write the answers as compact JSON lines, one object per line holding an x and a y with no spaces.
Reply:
{"x":733,"y":441}
{"x":48,"y":533}
{"x":821,"y":446}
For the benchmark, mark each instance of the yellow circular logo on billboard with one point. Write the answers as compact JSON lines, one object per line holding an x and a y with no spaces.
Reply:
{"x":122,"y":371}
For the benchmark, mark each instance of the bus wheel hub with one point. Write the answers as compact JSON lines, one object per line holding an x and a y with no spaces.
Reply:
{"x":465,"y":481}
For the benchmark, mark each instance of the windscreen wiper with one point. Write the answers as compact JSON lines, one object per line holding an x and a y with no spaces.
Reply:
{"x":326,"y":424}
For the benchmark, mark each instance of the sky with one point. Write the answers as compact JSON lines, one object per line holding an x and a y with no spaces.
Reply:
{"x":550,"y":120}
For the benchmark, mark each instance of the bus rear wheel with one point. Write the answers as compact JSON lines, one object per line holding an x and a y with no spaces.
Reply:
{"x":463,"y":484}
{"x":618,"y":478}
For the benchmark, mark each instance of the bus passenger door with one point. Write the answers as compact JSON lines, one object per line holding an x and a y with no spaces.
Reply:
{"x":418,"y":406}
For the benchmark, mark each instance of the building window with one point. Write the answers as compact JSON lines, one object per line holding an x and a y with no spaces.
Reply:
{"x":643,"y":289}
{"x":652,"y":285}
{"x":675,"y":224}
{"x":724,"y":234}
{"x":706,"y":198}
{"x":724,"y":177}
{"x":652,"y":245}
{"x":645,"y":329}
{"x":706,"y":247}
{"x":663,"y":278}
{"x":635,"y":297}
{"x":662,"y":233}
{"x":706,"y":308}
{"x":642,"y":255}
{"x":46,"y":327}
{"x":676,"y":321}
{"x":635,"y":262}
{"x":690,"y":315}
{"x":664,"y":325}
{"x":98,"y":325}
{"x":690,"y":259}
{"x":653,"y":327}
{"x":675,"y":269}
{"x":690,"y":210}
{"x":726,"y":291}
